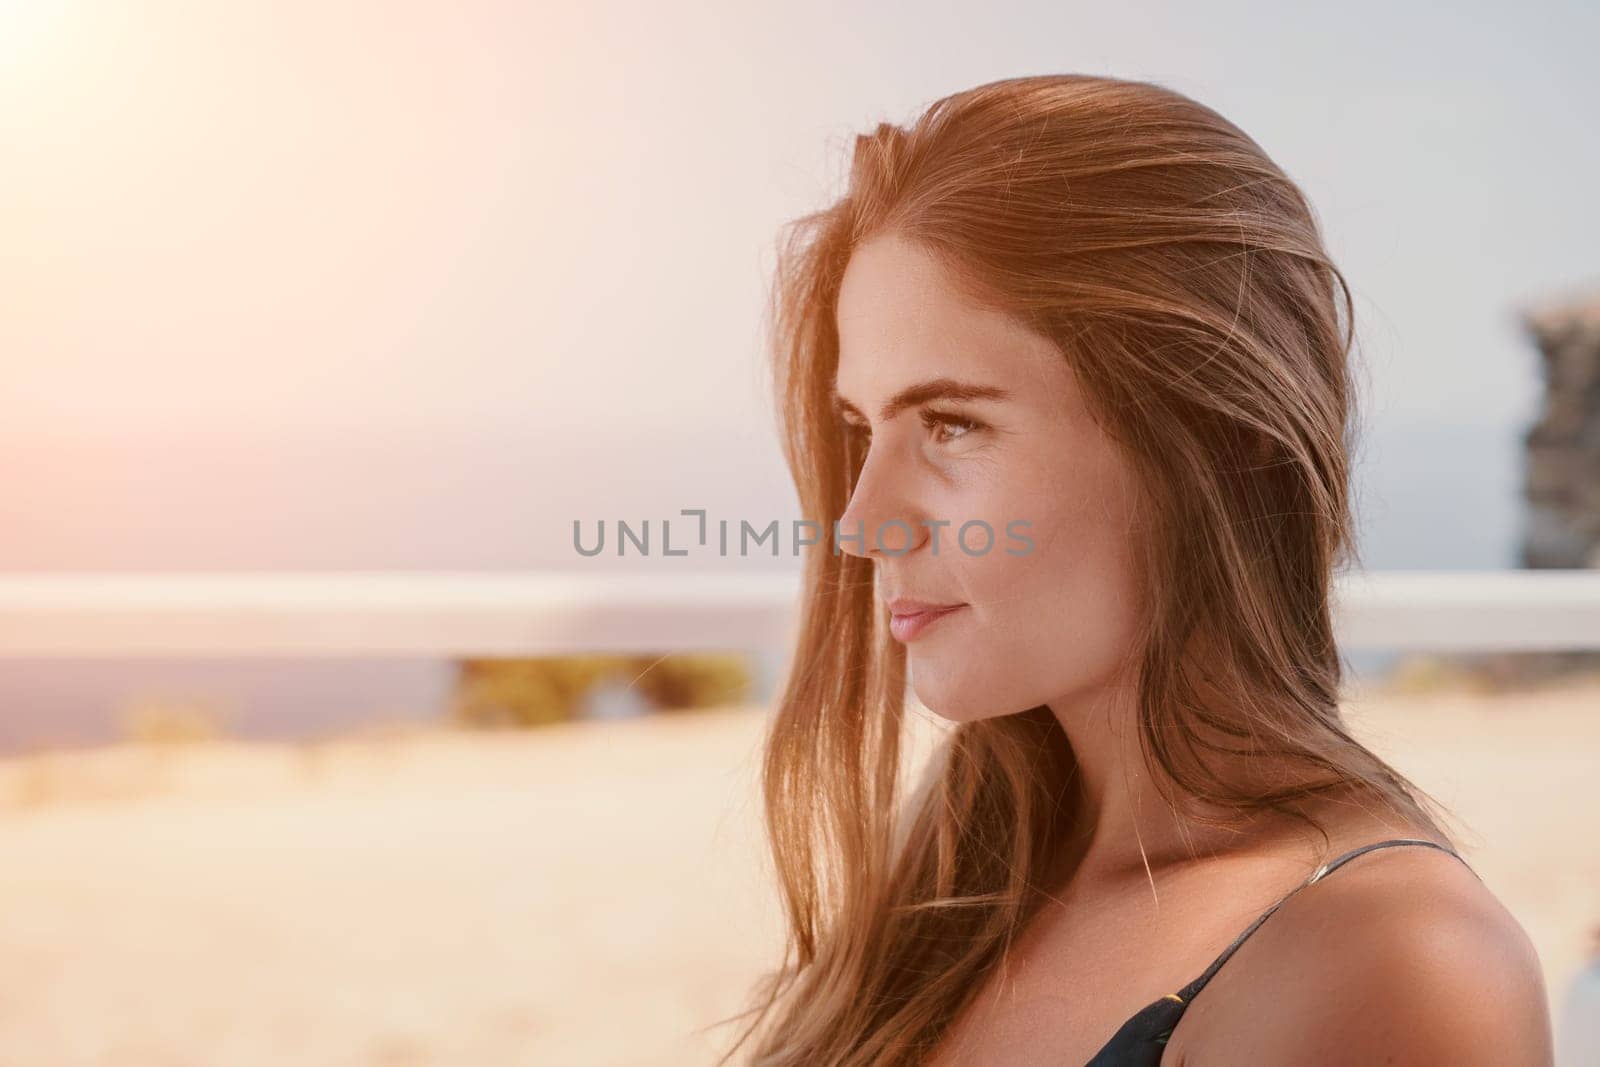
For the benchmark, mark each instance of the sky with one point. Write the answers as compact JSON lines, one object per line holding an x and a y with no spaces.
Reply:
{"x":304,"y":285}
{"x":375,"y":232}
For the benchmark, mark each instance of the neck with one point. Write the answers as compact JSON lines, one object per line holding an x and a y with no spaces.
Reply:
{"x":1122,"y":826}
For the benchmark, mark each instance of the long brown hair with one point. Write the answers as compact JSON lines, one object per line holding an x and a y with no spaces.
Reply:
{"x":1184,"y":278}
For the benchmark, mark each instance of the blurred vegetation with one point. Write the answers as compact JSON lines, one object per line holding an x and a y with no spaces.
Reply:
{"x":531,"y":692}
{"x":1491,"y":672}
{"x":166,"y":721}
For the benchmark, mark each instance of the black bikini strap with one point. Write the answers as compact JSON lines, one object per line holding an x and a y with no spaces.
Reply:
{"x":1188,"y":991}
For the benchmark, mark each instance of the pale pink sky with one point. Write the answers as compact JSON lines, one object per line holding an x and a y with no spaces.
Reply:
{"x":358,"y":227}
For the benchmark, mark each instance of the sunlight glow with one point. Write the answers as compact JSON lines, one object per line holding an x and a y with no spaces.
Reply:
{"x":29,"y":30}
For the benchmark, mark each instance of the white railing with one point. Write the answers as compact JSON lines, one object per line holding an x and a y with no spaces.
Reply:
{"x":459,"y":614}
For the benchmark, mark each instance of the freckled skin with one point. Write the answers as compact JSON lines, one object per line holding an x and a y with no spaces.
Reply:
{"x":1041,"y":626}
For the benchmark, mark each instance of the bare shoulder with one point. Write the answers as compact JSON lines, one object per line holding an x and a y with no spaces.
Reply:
{"x":1400,"y":958}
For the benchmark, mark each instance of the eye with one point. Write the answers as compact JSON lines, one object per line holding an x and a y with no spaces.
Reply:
{"x":954,"y":427}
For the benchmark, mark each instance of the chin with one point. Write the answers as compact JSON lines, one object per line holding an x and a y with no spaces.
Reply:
{"x":953,"y":703}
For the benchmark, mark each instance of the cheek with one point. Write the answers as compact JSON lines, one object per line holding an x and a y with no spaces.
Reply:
{"x":1045,"y":624}
{"x":1071,"y":621}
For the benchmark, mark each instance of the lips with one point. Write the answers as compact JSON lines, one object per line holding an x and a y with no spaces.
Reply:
{"x":910,"y":618}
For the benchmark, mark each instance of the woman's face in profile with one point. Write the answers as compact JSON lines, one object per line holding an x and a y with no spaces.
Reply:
{"x":1047,"y":594}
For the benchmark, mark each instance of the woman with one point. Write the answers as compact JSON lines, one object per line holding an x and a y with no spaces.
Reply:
{"x":1092,"y":318}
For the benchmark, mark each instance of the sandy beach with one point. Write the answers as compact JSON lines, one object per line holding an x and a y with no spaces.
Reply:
{"x":592,"y":893}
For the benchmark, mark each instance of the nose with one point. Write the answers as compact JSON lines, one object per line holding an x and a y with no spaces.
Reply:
{"x":882,"y":519}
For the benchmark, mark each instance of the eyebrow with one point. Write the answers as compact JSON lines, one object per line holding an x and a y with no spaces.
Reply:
{"x":922,"y":392}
